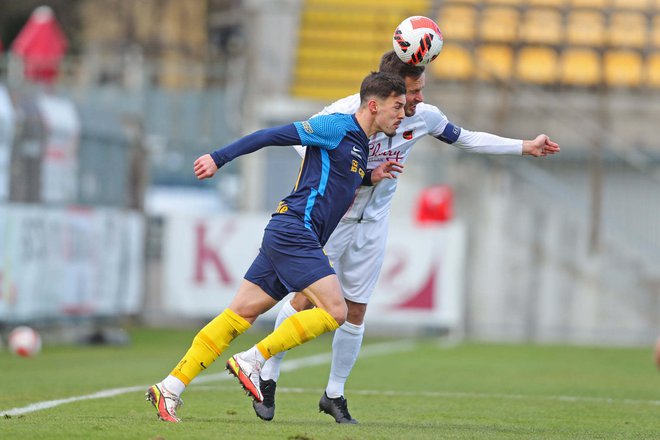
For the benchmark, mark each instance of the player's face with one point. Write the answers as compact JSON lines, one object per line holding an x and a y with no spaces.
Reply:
{"x":414,"y":95}
{"x":390,"y":114}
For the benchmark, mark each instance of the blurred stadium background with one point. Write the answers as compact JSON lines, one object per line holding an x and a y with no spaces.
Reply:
{"x":103,"y":225}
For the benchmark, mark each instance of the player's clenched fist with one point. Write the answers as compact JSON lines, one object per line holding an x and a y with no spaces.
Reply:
{"x":205,"y":167}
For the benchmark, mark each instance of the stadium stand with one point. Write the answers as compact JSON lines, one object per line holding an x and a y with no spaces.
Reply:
{"x":628,"y":29}
{"x":495,"y":61}
{"x":499,"y":24}
{"x":634,"y":5}
{"x":589,"y":4}
{"x":537,"y":65}
{"x":580,"y":67}
{"x":652,"y":74}
{"x":623,"y":68}
{"x":513,"y":3}
{"x":542,"y":26}
{"x":457,"y":63}
{"x":458,"y":22}
{"x":585,"y":28}
{"x":324,"y":69}
{"x":571,"y":43}
{"x":654,"y":37}
{"x":558,"y":4}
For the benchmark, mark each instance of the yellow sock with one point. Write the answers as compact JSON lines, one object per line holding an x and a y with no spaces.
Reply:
{"x":296,"y":330}
{"x":208,"y":344}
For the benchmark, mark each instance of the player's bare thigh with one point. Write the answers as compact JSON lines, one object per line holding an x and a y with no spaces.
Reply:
{"x":326,"y":293}
{"x":251,"y":301}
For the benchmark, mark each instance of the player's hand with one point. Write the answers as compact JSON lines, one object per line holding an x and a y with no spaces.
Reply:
{"x":386,"y":170}
{"x":205,"y":167}
{"x":541,"y":146}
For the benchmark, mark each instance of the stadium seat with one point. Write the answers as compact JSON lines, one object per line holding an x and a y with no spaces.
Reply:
{"x":542,"y":26}
{"x":655,"y":31}
{"x":652,"y":71}
{"x":494,"y":61}
{"x":462,"y":2}
{"x":499,"y":24}
{"x":585,"y":28}
{"x":628,"y":29}
{"x":580,"y":67}
{"x":623,"y":68}
{"x":420,"y":5}
{"x":457,"y":22}
{"x":455,"y":63}
{"x":558,"y":4}
{"x":588,"y":4}
{"x":324,"y":69}
{"x":634,"y":5}
{"x":537,"y":65}
{"x":514,"y":3}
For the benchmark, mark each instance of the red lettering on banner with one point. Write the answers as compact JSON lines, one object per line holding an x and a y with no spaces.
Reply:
{"x":204,"y":255}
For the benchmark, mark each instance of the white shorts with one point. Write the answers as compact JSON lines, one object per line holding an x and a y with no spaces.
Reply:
{"x":357,"y":251}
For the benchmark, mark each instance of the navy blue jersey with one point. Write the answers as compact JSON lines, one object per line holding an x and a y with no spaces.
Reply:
{"x":333,"y":168}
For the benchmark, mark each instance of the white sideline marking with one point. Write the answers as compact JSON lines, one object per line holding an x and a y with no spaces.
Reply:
{"x":294,"y":364}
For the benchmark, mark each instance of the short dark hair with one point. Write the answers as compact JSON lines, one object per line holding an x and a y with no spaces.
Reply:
{"x":391,"y":63}
{"x":381,"y":85}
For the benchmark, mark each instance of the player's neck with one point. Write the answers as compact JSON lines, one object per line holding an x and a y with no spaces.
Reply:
{"x":367,"y":121}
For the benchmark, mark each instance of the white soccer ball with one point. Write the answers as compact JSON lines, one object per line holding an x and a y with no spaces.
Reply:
{"x":24,"y":341}
{"x":417,"y":40}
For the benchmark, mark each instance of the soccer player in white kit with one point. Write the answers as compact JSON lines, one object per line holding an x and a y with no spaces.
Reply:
{"x":357,"y":246}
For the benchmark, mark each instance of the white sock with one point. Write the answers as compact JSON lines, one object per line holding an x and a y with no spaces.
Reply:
{"x":174,"y":385}
{"x":345,"y":349}
{"x":271,"y":369}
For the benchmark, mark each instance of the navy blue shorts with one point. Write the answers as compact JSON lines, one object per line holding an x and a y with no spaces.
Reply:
{"x":288,"y":261}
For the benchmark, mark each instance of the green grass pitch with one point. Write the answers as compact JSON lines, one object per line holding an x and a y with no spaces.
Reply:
{"x":398,"y":390}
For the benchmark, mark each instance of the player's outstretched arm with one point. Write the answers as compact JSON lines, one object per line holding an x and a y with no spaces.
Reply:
{"x":205,"y":167}
{"x":539,"y":147}
{"x":386,"y":170}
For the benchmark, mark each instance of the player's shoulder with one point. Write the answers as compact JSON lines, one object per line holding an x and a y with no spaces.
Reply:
{"x":347,"y":105}
{"x":330,"y":123}
{"x":430,"y":114}
{"x":424,"y":108}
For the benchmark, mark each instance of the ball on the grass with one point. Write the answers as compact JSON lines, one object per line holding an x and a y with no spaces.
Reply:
{"x":24,"y":341}
{"x":417,"y":40}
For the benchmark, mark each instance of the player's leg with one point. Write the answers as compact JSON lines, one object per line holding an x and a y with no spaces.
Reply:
{"x":337,"y":244}
{"x":270,"y":372}
{"x":207,"y":345}
{"x":328,"y":315}
{"x":300,"y":265}
{"x":360,"y":269}
{"x":299,"y":302}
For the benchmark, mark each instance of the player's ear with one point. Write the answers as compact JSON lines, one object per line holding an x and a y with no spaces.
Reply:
{"x":373,"y":106}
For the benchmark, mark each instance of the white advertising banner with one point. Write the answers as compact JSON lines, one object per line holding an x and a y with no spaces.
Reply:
{"x":60,"y":160}
{"x":6,"y":140}
{"x":421,"y":283}
{"x":69,"y":262}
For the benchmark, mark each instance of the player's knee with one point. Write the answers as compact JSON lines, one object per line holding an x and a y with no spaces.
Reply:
{"x":339,"y":312}
{"x":356,"y":312}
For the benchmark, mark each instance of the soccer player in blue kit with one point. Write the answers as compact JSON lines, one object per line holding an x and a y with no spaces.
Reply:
{"x":291,"y":257}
